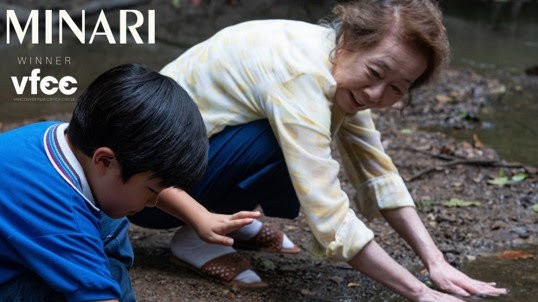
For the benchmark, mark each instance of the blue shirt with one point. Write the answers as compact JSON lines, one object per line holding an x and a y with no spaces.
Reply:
{"x":49,"y":223}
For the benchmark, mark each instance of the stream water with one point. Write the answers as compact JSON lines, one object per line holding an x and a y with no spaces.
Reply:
{"x":520,"y":277}
{"x":499,"y":38}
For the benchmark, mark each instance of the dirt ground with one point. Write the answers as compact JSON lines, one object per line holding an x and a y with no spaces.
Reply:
{"x":503,"y":219}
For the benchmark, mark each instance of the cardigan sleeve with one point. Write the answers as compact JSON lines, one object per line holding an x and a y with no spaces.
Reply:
{"x":369,"y":168}
{"x":300,"y":116}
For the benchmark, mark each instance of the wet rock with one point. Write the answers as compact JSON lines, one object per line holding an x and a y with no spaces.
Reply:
{"x":522,"y":232}
{"x":480,"y":91}
{"x":336,"y":279}
{"x":288,"y":268}
{"x":532,"y":70}
{"x":528,"y":200}
{"x":470,"y":257}
{"x":499,"y":224}
{"x":446,"y":217}
{"x":452,"y":259}
{"x":487,"y":125}
{"x":447,"y":248}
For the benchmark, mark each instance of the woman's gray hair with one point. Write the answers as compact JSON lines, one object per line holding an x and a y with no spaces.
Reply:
{"x":418,"y":23}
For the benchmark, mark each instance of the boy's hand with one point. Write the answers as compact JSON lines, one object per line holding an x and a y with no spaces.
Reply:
{"x":212,"y":227}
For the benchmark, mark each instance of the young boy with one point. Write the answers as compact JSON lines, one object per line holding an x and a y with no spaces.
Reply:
{"x":133,"y":133}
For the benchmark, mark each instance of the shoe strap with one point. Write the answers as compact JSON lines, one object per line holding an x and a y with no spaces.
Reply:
{"x":226,"y":267}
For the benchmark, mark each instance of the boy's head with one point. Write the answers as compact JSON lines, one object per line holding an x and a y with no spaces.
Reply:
{"x":142,"y":124}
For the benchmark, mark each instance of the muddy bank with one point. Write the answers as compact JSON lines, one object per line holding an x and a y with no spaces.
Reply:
{"x":504,"y":217}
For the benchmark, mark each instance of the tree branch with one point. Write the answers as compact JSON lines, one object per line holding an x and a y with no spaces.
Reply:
{"x":474,"y":162}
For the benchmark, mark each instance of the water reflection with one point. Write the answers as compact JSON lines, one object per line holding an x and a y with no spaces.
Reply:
{"x":519,"y":276}
{"x":499,"y":38}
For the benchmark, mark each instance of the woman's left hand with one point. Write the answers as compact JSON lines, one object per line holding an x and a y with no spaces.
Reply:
{"x":450,"y":280}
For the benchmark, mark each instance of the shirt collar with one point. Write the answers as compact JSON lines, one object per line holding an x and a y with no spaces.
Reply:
{"x":65,"y":162}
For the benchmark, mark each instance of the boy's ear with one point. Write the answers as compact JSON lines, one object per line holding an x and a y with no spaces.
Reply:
{"x":103,"y":159}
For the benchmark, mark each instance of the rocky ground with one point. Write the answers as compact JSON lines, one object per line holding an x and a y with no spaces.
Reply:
{"x":503,"y":219}
{"x":435,"y":167}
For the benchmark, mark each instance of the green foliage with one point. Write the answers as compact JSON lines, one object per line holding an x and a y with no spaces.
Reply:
{"x":406,"y":131}
{"x":176,"y":3}
{"x":266,"y":265}
{"x":535,"y":208}
{"x":455,"y":202}
{"x":501,"y":89}
{"x":503,"y":180}
{"x":424,"y":203}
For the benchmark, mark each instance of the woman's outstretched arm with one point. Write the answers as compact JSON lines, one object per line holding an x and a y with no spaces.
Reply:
{"x":373,"y":261}
{"x":407,"y":223}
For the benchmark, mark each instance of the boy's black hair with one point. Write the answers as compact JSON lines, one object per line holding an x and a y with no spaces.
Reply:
{"x":147,"y":119}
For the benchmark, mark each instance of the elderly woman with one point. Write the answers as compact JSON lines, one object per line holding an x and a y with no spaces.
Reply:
{"x":274,"y":95}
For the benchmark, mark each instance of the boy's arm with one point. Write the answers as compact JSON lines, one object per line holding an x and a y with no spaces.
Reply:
{"x":209,"y":226}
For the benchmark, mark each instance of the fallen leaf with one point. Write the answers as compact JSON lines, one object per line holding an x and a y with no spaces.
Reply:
{"x":424,"y":203}
{"x":515,"y":255}
{"x":477,"y":143}
{"x":519,"y":177}
{"x":535,"y":208}
{"x":455,"y":202}
{"x":502,"y":180}
{"x":499,"y":181}
{"x":353,"y":284}
{"x":443,"y":99}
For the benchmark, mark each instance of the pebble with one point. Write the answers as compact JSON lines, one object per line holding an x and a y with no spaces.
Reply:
{"x":306,"y":292}
{"x":336,"y":279}
{"x":447,"y":248}
{"x":522,"y":232}
{"x":470,"y":257}
{"x":499,"y":224}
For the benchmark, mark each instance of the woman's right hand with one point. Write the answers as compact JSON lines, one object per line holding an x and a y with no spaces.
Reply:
{"x":431,"y":295}
{"x":451,"y":280}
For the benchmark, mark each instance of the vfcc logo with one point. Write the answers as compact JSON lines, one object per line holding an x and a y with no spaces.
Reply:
{"x":48,"y":85}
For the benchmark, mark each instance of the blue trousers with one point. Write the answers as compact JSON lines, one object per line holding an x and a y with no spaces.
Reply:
{"x":114,"y":233}
{"x":246,"y":167}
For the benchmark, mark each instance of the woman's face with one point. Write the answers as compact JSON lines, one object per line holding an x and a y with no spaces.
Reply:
{"x":375,"y":77}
